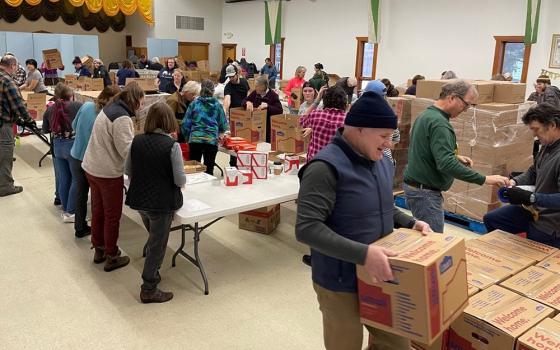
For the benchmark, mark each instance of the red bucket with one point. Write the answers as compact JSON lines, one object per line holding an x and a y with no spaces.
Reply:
{"x":185,"y":151}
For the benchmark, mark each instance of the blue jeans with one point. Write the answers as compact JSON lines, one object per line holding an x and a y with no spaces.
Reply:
{"x":66,"y":182}
{"x":425,"y":205}
{"x":515,"y":219}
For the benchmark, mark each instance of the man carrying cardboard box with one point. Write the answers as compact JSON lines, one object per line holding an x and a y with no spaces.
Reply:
{"x":342,"y":210}
{"x":544,"y":174}
{"x":433,"y":162}
{"x":81,"y":70}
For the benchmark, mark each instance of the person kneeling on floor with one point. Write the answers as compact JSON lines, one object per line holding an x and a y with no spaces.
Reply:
{"x":544,"y":174}
{"x":155,"y":167}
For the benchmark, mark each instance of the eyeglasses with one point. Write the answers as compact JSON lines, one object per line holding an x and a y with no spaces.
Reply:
{"x":467,"y":105}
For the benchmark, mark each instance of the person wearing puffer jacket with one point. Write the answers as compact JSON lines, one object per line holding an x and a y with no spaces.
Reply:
{"x":204,"y":126}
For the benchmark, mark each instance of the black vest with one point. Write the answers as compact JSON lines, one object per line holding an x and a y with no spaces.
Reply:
{"x":152,"y":187}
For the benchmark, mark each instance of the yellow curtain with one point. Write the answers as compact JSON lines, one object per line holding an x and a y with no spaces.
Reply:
{"x":110,"y":7}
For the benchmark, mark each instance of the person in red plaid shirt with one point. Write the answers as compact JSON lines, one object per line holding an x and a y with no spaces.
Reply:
{"x":323,"y":124}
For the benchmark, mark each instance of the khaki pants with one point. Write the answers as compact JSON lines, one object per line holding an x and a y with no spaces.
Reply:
{"x":342,"y":329}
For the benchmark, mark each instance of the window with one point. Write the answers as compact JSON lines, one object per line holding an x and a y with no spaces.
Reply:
{"x":366,"y":61}
{"x":511,"y":56}
{"x":277,"y":57}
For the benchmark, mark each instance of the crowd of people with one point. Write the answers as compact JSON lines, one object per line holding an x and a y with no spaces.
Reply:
{"x":342,"y":208}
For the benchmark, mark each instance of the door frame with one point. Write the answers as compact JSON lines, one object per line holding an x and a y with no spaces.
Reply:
{"x":499,"y":54}
{"x":228,"y":46}
{"x":361,"y":40}
{"x":272,"y":55}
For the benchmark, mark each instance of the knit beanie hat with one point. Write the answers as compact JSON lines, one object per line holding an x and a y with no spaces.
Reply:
{"x":377,"y":87}
{"x":371,"y":111}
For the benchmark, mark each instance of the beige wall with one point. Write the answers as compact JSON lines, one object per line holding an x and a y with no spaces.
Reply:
{"x":112,"y":45}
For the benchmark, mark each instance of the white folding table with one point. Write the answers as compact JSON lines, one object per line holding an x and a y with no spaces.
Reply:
{"x":221,"y":201}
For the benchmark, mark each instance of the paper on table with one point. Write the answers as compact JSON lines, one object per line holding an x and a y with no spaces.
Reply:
{"x":197,"y":178}
{"x":195,"y":205}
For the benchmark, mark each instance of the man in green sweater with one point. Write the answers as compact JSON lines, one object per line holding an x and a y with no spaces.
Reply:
{"x":433,"y":161}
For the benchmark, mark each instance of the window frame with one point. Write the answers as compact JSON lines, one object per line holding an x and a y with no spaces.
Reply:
{"x":361,"y":41}
{"x":499,"y":51}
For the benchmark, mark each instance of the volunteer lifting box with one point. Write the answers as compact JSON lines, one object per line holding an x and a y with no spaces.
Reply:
{"x":429,"y":289}
{"x":248,"y":125}
{"x":538,"y":284}
{"x":494,"y":319}
{"x":286,"y":134}
{"x":544,"y":336}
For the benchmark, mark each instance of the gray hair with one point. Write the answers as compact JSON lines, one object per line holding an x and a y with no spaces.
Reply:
{"x":300,"y":68}
{"x":193,"y":87}
{"x":8,"y":60}
{"x":448,"y":75}
{"x":207,"y":88}
{"x":155,"y":59}
{"x":458,"y":88}
{"x":261,"y":81}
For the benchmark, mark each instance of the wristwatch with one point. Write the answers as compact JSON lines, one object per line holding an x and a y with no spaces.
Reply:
{"x":532,"y":198}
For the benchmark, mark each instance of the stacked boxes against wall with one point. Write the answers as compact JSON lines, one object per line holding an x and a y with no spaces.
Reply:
{"x":493,"y":136}
{"x":402,"y":107}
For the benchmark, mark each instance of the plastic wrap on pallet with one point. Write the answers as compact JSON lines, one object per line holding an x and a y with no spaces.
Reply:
{"x":140,"y":118}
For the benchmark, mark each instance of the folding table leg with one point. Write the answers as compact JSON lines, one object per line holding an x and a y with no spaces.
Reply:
{"x":180,"y":250}
{"x":197,"y":257}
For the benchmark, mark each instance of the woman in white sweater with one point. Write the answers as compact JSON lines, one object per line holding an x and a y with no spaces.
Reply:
{"x":103,"y":163}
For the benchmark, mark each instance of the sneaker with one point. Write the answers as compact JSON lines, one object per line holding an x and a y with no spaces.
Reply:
{"x":306,"y":260}
{"x":68,"y":218}
{"x":83,"y":233}
{"x":99,"y":255}
{"x":57,"y":202}
{"x":155,"y":296}
{"x":115,"y":262}
{"x":15,"y":190}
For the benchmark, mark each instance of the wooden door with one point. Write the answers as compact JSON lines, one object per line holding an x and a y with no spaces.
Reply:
{"x":229,"y":51}
{"x":194,"y":51}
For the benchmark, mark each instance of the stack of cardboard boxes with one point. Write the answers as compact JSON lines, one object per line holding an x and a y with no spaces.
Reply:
{"x":492,"y":135}
{"x":402,"y":106}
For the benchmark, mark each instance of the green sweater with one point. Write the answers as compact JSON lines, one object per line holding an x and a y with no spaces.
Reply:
{"x":432,"y":154}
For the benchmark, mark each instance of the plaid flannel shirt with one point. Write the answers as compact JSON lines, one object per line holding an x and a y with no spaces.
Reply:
{"x":12,"y":104}
{"x":19,"y":76}
{"x":324,"y":124}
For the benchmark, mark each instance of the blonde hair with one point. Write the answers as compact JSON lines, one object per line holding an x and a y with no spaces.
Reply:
{"x":193,"y":87}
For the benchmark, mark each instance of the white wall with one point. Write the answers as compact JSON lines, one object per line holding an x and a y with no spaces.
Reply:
{"x":112,"y":45}
{"x":417,"y":37}
{"x":164,"y":28}
{"x":139,"y":30}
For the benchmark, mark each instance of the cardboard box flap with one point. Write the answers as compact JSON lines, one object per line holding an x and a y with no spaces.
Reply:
{"x":506,"y":310}
{"x":545,"y":335}
{"x":478,"y":277}
{"x":552,"y":263}
{"x":538,"y":284}
{"x":480,"y":254}
{"x":503,"y":253}
{"x":522,"y":246}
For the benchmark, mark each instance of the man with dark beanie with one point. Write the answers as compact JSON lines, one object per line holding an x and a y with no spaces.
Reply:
{"x":345,"y":204}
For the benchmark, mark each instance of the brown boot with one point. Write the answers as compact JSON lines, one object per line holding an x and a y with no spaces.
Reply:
{"x":116,"y":261}
{"x":155,"y":296}
{"x":99,"y":255}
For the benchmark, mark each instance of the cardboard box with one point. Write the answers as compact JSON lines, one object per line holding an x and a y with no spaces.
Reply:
{"x":538,"y":284}
{"x":248,"y":125}
{"x":70,"y":77}
{"x":473,"y":208}
{"x":193,"y":166}
{"x":509,"y":92}
{"x":297,"y":101}
{"x":193,"y":75}
{"x":402,"y":107}
{"x":429,"y":289}
{"x":263,"y":220}
{"x":552,"y":263}
{"x":97,"y":84}
{"x":52,"y":58}
{"x":472,"y":290}
{"x":522,"y":246}
{"x":87,"y":61}
{"x":232,"y":176}
{"x":203,"y":65}
{"x":282,"y":84}
{"x":428,"y":88}
{"x":519,"y":260}
{"x":494,"y":319}
{"x":146,"y":84}
{"x":246,"y":175}
{"x":485,"y":91}
{"x":256,"y":162}
{"x":441,"y":343}
{"x":482,"y":275}
{"x":36,"y":105}
{"x":478,"y":253}
{"x":544,"y":336}
{"x":286,"y":134}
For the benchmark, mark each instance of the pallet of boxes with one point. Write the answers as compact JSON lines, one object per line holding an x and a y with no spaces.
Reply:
{"x":492,"y":135}
{"x":402,"y":106}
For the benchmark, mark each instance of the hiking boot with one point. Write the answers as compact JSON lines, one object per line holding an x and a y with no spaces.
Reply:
{"x":83,"y":233}
{"x":155,"y":296}
{"x":115,"y":262}
{"x":306,"y":260}
{"x":15,"y":190}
